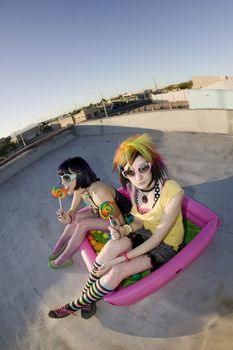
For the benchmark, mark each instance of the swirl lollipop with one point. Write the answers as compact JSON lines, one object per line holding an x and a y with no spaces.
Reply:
{"x":60,"y":193}
{"x":106,"y":211}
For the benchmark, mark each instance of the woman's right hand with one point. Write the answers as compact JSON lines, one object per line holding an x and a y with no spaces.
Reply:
{"x":63,"y":217}
{"x":116,"y":232}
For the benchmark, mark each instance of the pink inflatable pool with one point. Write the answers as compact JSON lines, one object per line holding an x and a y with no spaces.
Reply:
{"x":202,"y":217}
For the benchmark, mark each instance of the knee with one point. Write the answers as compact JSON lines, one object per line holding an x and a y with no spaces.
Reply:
{"x":117,"y":272}
{"x":111,"y":243}
{"x":81,"y":226}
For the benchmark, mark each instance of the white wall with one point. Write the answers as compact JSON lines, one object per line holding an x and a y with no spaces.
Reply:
{"x":204,"y":121}
{"x":181,"y":95}
{"x":204,"y":98}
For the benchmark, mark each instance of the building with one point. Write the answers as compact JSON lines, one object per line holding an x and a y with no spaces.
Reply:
{"x":218,"y":95}
{"x":91,"y":112}
{"x":200,"y":82}
{"x":181,"y":95}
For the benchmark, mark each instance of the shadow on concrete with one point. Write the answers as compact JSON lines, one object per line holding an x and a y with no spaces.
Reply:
{"x":197,"y":301}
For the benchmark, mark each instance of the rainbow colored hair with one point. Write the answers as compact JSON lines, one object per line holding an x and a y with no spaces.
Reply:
{"x":131,"y":148}
{"x":134,"y":146}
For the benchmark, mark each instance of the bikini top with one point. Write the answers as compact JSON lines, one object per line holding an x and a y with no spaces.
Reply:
{"x":123,"y":203}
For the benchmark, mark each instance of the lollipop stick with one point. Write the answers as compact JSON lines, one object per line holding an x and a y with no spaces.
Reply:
{"x":111,"y":220}
{"x":60,"y":205}
{"x":112,"y":223}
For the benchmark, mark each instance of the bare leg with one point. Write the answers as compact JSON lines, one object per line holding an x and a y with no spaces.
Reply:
{"x":120,"y":271}
{"x":67,"y":233}
{"x":90,"y":222}
{"x":70,"y":229}
{"x":113,"y":248}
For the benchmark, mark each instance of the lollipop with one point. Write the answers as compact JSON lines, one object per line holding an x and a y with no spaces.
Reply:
{"x":60,"y":193}
{"x":106,"y":210}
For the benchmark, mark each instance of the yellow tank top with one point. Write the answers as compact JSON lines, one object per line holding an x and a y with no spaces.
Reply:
{"x":152,"y":218}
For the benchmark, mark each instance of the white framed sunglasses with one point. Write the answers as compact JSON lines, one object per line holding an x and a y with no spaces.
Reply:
{"x":142,"y":169}
{"x":68,"y":177}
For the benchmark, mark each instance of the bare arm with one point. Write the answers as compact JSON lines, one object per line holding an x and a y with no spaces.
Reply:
{"x":118,"y":232}
{"x":102,"y":193}
{"x":67,"y":217}
{"x":75,"y":201}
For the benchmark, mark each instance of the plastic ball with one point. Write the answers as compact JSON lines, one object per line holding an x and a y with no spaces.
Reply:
{"x":93,"y":242}
{"x":136,"y":277}
{"x":99,"y":246}
{"x":90,"y":237}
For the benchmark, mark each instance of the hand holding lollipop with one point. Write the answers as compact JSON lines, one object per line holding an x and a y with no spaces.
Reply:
{"x":60,"y":193}
{"x":106,"y":211}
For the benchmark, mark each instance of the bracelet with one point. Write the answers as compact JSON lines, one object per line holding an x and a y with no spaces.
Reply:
{"x":128,"y":229}
{"x":71,"y":219}
{"x":126,"y":257}
{"x":71,"y":211}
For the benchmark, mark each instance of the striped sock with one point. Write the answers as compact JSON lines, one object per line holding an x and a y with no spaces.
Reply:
{"x":92,"y":277}
{"x":96,"y":292}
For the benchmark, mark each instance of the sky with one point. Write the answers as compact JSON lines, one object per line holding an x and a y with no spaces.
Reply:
{"x":59,"y":55}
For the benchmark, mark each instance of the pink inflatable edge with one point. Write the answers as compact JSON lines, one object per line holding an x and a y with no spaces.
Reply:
{"x":193,"y":211}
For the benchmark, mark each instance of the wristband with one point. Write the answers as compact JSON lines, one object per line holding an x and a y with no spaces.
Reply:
{"x":126,"y":257}
{"x":128,"y":229}
{"x":71,"y":219}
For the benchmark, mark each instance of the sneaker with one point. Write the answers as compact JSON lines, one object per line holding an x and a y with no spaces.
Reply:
{"x":60,"y":312}
{"x":67,"y":263}
{"x":88,"y":311}
{"x":55,"y":256}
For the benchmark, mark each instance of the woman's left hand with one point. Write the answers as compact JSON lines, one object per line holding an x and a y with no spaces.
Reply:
{"x":105,"y":267}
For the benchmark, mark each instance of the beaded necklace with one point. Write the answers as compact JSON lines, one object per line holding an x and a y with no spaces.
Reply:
{"x":144,"y":197}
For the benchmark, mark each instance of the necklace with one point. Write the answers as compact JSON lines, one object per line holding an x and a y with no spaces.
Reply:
{"x":150,"y":189}
{"x":144,"y":197}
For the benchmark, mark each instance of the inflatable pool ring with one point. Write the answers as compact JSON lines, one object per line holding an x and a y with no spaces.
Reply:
{"x":203,"y":218}
{"x":60,"y":193}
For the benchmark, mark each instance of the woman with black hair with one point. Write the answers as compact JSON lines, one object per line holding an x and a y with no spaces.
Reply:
{"x":79,"y":179}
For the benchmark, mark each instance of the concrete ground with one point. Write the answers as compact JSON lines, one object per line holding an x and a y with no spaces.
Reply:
{"x":194,"y":311}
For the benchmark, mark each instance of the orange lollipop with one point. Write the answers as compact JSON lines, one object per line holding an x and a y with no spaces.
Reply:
{"x":60,"y":193}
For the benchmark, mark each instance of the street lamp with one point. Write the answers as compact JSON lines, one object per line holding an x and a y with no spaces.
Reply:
{"x":156,"y":88}
{"x":19,"y":133}
{"x":103,"y":104}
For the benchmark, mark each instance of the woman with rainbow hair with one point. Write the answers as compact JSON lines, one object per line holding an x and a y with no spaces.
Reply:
{"x":151,"y":239}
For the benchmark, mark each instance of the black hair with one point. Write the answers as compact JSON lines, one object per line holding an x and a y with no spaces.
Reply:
{"x":85,"y":175}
